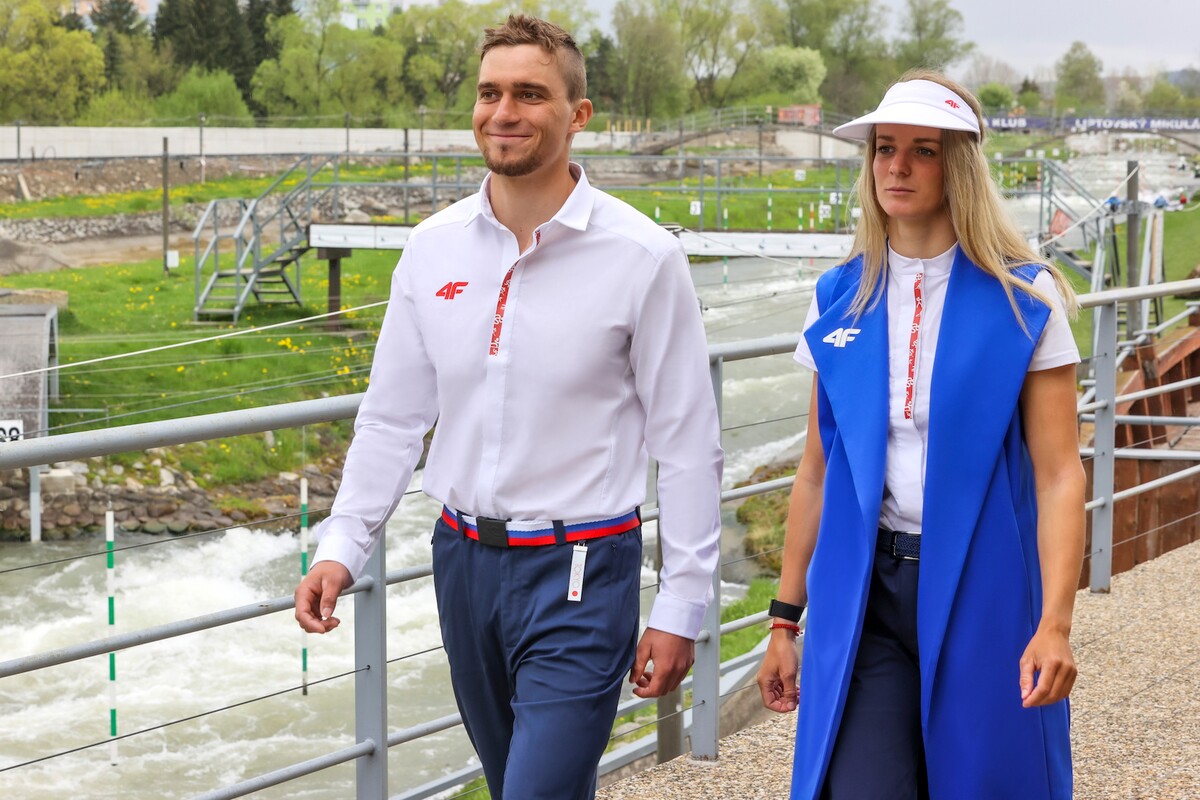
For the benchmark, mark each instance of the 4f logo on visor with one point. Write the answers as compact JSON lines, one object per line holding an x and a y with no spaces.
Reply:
{"x":841,"y":336}
{"x":451,"y":290}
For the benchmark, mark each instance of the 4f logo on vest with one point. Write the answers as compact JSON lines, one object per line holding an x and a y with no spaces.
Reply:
{"x":451,"y":290}
{"x":841,"y":336}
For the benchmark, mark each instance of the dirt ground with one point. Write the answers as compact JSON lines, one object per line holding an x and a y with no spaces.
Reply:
{"x":22,"y":257}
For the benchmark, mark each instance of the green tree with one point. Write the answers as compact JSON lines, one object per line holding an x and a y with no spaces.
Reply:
{"x":115,"y":107}
{"x":1163,"y":98}
{"x":798,"y":23}
{"x":1029,"y":97}
{"x":649,"y":60}
{"x":441,"y":50}
{"x":214,"y":94}
{"x":857,"y":67}
{"x":50,"y":74}
{"x":784,"y":76}
{"x":117,"y":23}
{"x":210,"y":34}
{"x":930,"y":35}
{"x":257,"y":13}
{"x":1078,"y":80}
{"x":1127,"y":98}
{"x":600,"y":54}
{"x":996,"y":98}
{"x":121,"y":16}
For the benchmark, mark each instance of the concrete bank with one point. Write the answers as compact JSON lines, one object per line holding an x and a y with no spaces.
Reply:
{"x":1135,"y":714}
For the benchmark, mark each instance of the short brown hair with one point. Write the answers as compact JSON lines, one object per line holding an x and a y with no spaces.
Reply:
{"x":520,"y":29}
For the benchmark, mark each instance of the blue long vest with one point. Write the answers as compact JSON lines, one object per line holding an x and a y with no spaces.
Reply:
{"x":980,"y":591}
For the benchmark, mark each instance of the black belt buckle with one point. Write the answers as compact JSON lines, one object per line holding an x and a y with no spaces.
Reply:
{"x":906,"y":546}
{"x":492,"y":532}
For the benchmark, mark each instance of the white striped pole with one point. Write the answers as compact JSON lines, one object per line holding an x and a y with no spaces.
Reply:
{"x":110,"y":541}
{"x":303,"y":572}
{"x":769,"y":209}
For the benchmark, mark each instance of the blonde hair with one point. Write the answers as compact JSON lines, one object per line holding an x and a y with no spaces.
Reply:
{"x":986,"y":233}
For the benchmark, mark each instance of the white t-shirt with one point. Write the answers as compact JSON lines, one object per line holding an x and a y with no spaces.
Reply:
{"x":912,"y":342}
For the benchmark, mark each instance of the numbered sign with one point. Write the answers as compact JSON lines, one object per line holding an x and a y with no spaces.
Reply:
{"x":11,"y":430}
{"x":696,"y":208}
{"x":800,"y":174}
{"x":824,"y":211}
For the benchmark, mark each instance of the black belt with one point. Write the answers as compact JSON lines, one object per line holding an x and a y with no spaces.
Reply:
{"x":899,"y":544}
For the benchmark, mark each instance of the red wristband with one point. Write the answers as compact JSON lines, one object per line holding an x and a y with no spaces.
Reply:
{"x":795,"y":629}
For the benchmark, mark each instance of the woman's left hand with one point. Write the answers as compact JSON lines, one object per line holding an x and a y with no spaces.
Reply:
{"x":1048,"y":655}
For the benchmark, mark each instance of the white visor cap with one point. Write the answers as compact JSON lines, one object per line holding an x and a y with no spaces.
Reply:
{"x":919,"y":102}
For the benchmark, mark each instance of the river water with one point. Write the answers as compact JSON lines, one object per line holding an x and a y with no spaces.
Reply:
{"x":63,"y":708}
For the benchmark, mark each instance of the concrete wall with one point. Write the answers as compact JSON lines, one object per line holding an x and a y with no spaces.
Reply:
{"x":810,"y":144}
{"x":68,"y":142}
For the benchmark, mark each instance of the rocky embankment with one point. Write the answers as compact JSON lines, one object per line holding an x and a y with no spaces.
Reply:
{"x":152,"y":498}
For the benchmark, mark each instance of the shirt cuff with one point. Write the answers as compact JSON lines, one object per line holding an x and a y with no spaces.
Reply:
{"x":672,"y":615}
{"x":340,"y":547}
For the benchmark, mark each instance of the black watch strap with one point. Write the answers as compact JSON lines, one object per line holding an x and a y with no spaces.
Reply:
{"x":782,"y":610}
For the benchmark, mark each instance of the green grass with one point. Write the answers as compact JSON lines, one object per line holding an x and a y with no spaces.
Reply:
{"x":125,"y":308}
{"x":1181,"y":254}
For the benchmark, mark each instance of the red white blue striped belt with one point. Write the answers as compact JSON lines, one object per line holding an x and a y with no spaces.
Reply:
{"x":510,"y":533}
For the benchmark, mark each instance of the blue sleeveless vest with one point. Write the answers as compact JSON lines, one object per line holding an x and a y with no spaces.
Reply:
{"x":980,"y":591}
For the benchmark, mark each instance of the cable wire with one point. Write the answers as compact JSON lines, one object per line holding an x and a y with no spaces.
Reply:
{"x":181,"y":720}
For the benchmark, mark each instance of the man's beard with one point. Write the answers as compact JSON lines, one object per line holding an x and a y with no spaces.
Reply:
{"x":512,"y":168}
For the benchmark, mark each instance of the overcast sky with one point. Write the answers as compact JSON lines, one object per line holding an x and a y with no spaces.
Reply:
{"x":1031,"y":35}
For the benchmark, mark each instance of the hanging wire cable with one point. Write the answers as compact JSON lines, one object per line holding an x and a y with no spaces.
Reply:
{"x":181,"y":720}
{"x":315,"y":381}
{"x":219,"y":360}
{"x":190,"y":342}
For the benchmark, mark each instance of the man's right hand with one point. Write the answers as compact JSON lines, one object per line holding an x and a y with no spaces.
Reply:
{"x":317,"y":596}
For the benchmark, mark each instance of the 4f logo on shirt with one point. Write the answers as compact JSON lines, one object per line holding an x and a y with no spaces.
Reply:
{"x":451,"y":290}
{"x":839,"y":337}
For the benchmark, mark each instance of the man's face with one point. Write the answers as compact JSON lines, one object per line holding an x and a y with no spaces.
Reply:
{"x":523,"y":119}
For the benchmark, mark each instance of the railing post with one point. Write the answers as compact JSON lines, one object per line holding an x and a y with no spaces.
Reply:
{"x":370,"y":680}
{"x":706,"y":675}
{"x":1104,"y":358}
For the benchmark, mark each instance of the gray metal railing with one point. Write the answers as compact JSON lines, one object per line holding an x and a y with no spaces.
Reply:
{"x":373,"y":738}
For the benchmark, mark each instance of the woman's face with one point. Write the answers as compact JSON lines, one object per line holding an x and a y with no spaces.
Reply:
{"x":907,"y":166}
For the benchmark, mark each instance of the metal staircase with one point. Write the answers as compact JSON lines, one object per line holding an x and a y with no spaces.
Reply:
{"x":258,"y":259}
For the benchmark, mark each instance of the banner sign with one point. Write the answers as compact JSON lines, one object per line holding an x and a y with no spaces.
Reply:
{"x":1081,"y":124}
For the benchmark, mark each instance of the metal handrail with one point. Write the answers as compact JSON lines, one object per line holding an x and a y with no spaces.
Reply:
{"x":705,"y":679}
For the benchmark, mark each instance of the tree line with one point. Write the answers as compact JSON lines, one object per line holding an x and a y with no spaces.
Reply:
{"x":246,"y":62}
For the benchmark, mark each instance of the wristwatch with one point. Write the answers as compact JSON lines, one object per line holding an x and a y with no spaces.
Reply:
{"x":782,"y":610}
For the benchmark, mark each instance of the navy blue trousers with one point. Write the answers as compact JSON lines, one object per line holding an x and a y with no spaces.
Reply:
{"x":879,"y":753}
{"x":537,"y":678}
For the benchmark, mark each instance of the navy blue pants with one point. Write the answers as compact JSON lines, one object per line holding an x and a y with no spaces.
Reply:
{"x":537,"y":678}
{"x":879,"y":753}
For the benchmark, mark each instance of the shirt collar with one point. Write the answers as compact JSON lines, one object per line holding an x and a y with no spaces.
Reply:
{"x":574,"y":213}
{"x":938,"y":265}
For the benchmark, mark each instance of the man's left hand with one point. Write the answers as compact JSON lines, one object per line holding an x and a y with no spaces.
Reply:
{"x":672,"y":657}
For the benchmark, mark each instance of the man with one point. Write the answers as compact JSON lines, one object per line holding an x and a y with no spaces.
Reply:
{"x":553,"y":334}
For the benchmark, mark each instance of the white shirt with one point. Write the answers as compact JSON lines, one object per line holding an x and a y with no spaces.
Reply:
{"x":549,"y":396}
{"x":912,"y":342}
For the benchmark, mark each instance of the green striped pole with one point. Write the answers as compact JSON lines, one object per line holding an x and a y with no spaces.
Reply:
{"x":303,"y":572}
{"x":110,"y":541}
{"x":769,"y":208}
{"x":725,"y":259}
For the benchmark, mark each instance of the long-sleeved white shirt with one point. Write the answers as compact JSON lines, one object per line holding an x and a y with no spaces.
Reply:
{"x":553,"y":375}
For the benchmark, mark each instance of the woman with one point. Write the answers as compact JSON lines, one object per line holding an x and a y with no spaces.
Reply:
{"x":935,"y":528}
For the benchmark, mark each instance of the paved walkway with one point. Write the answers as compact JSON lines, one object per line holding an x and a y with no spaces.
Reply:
{"x":1136,"y":705}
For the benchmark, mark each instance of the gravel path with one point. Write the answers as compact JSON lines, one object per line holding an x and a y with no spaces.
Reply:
{"x":1135,"y":713}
